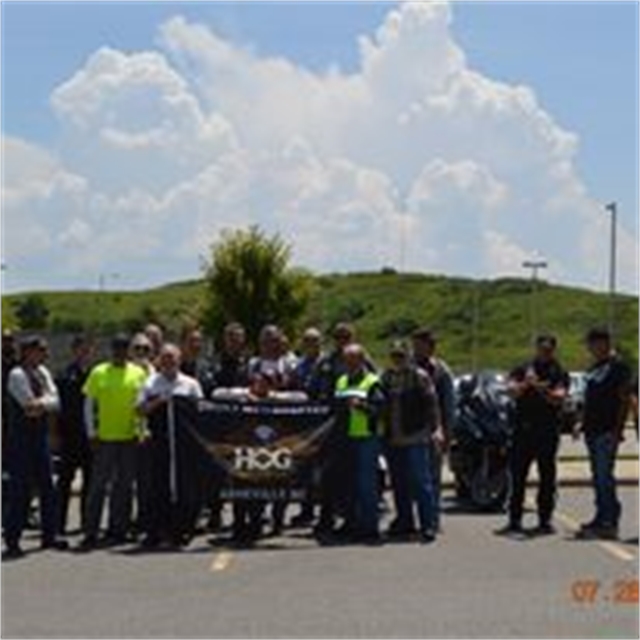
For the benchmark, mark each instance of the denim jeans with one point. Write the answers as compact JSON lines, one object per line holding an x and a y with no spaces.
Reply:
{"x":603,"y":449}
{"x":29,"y":461}
{"x":412,"y":481}
{"x":362,"y":513}
{"x":435,"y":465}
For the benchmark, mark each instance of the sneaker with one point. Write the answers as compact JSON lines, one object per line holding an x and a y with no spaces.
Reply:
{"x":150,"y":542}
{"x":55,"y":545}
{"x":427,"y":536}
{"x":115,"y":539}
{"x":399,"y":529}
{"x":88,"y":543}
{"x":592,"y":524}
{"x":544,"y":529}
{"x":13,"y":552}
{"x":511,"y":530}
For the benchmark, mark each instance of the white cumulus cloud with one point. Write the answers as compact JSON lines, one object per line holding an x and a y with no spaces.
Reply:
{"x":160,"y":150}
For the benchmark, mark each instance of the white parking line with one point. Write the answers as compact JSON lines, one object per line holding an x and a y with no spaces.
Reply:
{"x":613,"y":548}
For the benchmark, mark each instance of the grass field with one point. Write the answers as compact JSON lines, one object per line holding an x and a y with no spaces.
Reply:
{"x":382,"y":306}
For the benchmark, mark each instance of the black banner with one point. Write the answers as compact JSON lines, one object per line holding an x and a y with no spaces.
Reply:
{"x":263,"y":450}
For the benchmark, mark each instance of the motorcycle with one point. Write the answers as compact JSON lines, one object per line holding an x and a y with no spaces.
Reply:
{"x":481,"y":436}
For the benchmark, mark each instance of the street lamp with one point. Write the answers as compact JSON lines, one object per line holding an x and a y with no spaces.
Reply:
{"x":613,"y":210}
{"x":475,"y":328}
{"x":535,"y":265}
{"x":102,"y":278}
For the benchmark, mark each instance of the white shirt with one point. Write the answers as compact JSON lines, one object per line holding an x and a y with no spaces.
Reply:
{"x":20,"y":389}
{"x":158,"y":385}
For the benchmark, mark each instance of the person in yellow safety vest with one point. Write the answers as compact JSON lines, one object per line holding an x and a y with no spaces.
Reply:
{"x":359,"y":401}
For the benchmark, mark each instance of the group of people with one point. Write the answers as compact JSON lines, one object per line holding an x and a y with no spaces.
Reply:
{"x":104,"y":417}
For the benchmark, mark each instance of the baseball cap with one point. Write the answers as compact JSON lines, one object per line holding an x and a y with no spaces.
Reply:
{"x":120,"y":341}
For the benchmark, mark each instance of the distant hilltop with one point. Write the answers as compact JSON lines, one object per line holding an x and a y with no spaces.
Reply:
{"x":486,"y":322}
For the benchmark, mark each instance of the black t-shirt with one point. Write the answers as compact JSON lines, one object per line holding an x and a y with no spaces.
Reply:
{"x":606,"y":384}
{"x":70,"y":383}
{"x":230,"y":371}
{"x":533,"y":408}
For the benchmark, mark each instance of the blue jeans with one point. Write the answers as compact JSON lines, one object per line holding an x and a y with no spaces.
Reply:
{"x":435,"y":465}
{"x":602,"y":456}
{"x":412,"y":481}
{"x":29,"y":461}
{"x":362,"y":513}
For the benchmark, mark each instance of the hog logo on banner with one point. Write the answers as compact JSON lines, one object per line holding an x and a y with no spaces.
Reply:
{"x":261,"y":447}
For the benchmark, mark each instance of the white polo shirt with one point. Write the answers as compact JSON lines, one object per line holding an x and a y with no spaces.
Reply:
{"x":157,"y":385}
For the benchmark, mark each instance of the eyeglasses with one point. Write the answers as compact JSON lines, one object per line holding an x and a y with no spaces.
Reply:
{"x":140,"y":348}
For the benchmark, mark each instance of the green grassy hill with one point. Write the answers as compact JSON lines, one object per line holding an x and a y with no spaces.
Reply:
{"x":382,"y":306}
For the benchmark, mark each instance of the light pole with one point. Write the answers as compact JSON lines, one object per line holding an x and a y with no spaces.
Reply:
{"x":475,"y":329}
{"x":612,"y":208}
{"x":535,"y":265}
{"x":102,"y":279}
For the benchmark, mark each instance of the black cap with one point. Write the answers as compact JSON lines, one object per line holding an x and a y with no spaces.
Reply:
{"x":547,"y":340}
{"x":398,"y":347}
{"x":79,"y":340}
{"x":425,"y":334}
{"x":120,"y":341}
{"x":598,"y":334}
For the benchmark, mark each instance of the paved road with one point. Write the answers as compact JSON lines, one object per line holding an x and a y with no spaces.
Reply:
{"x":470,"y":583}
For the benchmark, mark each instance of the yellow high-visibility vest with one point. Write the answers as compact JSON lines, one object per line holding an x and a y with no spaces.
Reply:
{"x":358,"y":426}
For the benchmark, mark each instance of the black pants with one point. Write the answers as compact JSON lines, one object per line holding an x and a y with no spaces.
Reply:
{"x":172,"y":502}
{"x":247,"y":519}
{"x":74,"y":456}
{"x":539,"y":443}
{"x":334,"y":481}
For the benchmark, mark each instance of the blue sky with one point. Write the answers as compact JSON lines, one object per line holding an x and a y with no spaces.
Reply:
{"x":579,"y":58}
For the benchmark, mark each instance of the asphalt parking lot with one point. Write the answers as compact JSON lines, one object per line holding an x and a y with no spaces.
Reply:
{"x":470,"y":583}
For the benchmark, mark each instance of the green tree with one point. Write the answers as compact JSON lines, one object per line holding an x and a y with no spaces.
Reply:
{"x":249,"y":280}
{"x":32,"y":313}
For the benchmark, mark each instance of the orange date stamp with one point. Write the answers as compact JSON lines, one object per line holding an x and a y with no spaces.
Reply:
{"x":594,"y":591}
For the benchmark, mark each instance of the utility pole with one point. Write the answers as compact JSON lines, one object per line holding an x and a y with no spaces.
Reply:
{"x":612,"y":208}
{"x":535,"y":265}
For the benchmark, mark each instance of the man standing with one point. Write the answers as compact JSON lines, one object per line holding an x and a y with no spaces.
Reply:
{"x":359,"y":400}
{"x":424,"y":353}
{"x":539,"y":387}
{"x":335,"y":454}
{"x":32,"y":396}
{"x":605,"y":411}
{"x":230,"y":370}
{"x":412,"y":417}
{"x":331,"y":366}
{"x":114,"y":386}
{"x":192,"y":362}
{"x":303,"y":378}
{"x":75,"y":451}
{"x":270,"y":360}
{"x":173,"y":506}
{"x":9,"y":360}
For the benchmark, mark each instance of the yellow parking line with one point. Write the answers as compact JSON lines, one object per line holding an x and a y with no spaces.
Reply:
{"x":616,"y":550}
{"x":221,"y":561}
